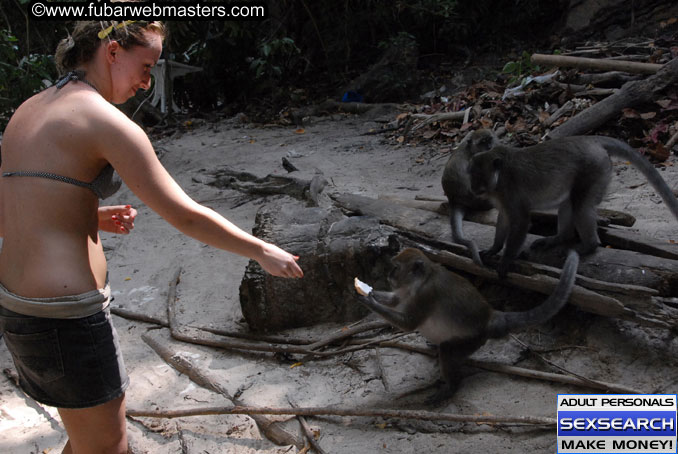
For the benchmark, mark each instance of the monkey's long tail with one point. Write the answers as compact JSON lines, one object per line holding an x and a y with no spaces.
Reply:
{"x":625,"y":151}
{"x":456,"y":218}
{"x":503,"y":323}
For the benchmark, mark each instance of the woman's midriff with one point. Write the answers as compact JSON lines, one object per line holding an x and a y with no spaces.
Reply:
{"x":52,"y":264}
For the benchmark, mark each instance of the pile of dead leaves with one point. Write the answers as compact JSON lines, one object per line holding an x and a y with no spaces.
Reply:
{"x":523,"y":109}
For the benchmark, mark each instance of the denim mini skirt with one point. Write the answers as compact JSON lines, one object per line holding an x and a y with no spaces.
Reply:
{"x":66,"y":363}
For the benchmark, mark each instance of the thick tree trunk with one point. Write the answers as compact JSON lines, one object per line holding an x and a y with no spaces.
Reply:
{"x":334,"y":249}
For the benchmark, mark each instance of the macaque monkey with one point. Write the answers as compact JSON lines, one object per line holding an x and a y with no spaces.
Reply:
{"x":570,"y":173}
{"x":449,"y":311}
{"x":457,"y":185}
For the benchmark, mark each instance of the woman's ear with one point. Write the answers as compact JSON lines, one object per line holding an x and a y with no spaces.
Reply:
{"x":111,"y":51}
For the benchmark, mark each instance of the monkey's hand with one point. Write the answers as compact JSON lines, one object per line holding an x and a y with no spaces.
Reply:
{"x":486,"y":254}
{"x":362,"y":288}
{"x":365,"y":300}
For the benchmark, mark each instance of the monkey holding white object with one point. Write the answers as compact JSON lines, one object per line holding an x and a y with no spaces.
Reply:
{"x":450,"y":312}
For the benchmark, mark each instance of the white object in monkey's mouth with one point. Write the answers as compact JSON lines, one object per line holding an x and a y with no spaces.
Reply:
{"x":361,"y":287}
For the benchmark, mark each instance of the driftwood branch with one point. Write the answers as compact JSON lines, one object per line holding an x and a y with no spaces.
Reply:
{"x":581,"y":297}
{"x":441,"y":206}
{"x":348,"y":332}
{"x":672,"y":141}
{"x":630,"y":94}
{"x":595,"y":63}
{"x":339,"y":411}
{"x":611,"y":77}
{"x":443,"y":116}
{"x":269,"y":428}
{"x":299,"y":185}
{"x":548,"y":376}
{"x":308,"y":433}
{"x":138,"y":317}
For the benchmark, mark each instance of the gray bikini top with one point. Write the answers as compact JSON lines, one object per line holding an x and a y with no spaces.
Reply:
{"x":104,"y":185}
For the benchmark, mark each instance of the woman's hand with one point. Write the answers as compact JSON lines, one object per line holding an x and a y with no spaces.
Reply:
{"x":117,"y":218}
{"x":279,"y":263}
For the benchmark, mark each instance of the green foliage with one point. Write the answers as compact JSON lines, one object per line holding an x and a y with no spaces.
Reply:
{"x":402,"y":40}
{"x":317,"y":46}
{"x":275,"y":58}
{"x":517,"y":69}
{"x":397,"y":77}
{"x":20,"y":77}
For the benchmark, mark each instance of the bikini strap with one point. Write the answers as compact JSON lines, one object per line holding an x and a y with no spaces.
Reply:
{"x":53,"y":176}
{"x":77,"y":75}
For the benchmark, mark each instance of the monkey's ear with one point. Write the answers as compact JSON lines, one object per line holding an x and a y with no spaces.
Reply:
{"x":486,"y":143}
{"x":497,"y":163}
{"x":418,"y":267}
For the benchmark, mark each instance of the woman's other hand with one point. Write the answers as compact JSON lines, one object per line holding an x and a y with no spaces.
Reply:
{"x":117,"y":218}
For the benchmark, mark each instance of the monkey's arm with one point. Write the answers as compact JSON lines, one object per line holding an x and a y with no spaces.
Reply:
{"x":500,"y":234}
{"x":456,"y":217}
{"x":386,"y":298}
{"x":517,"y":232}
{"x":403,"y":320}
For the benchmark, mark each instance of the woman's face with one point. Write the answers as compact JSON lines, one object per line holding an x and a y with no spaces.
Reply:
{"x":131,"y":69}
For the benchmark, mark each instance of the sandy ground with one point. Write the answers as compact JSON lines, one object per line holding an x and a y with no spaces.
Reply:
{"x":142,"y":263}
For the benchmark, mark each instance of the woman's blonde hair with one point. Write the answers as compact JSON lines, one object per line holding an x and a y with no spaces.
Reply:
{"x":81,"y":45}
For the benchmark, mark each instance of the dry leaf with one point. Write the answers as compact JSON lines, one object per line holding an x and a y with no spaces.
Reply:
{"x":630,"y":113}
{"x":430,"y":134}
{"x":658,"y":152}
{"x":543,"y":116}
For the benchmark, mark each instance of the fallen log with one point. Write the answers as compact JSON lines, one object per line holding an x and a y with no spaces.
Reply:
{"x":605,"y":217}
{"x":634,"y":280}
{"x":623,"y":239}
{"x":630,"y":94}
{"x":595,"y":63}
{"x":299,"y":185}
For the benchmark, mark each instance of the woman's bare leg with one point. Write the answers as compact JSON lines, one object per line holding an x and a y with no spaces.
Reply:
{"x":96,"y":430}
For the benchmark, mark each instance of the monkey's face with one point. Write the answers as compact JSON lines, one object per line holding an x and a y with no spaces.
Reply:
{"x":408,"y":266}
{"x":482,"y":140}
{"x":476,"y":142}
{"x":484,"y":173}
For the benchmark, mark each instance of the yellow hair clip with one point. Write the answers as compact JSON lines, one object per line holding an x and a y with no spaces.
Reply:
{"x":107,"y":31}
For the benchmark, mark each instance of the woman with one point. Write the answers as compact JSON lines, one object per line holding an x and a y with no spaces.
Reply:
{"x":57,"y":154}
